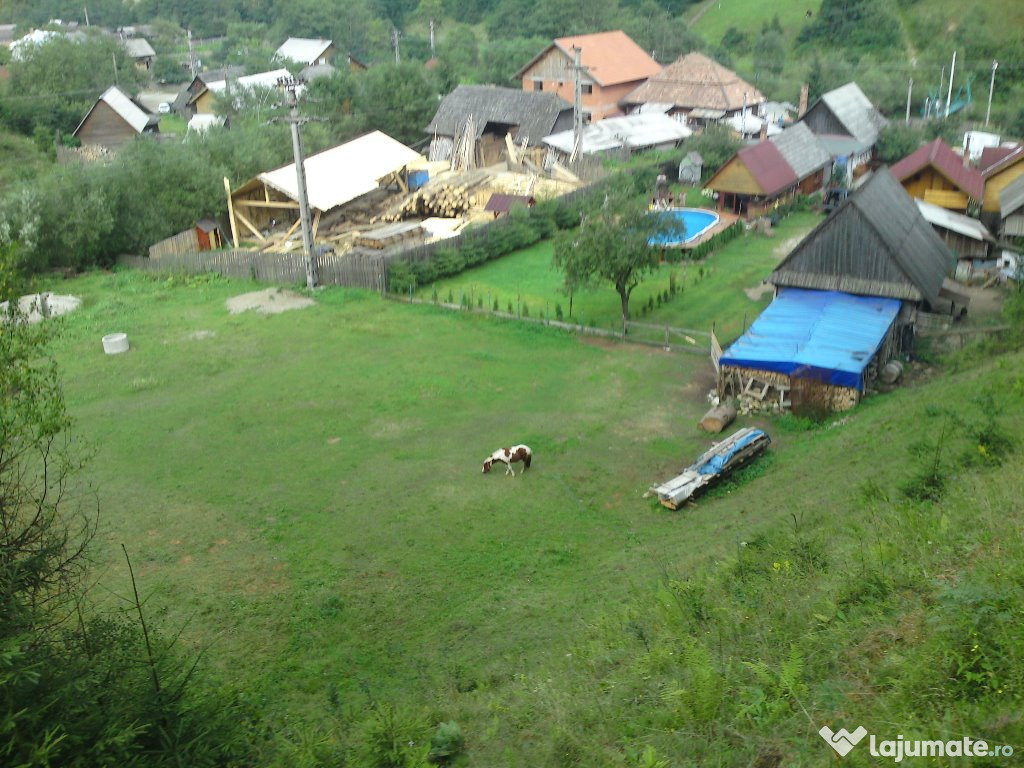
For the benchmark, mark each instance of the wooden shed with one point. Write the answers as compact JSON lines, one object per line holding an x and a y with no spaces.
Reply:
{"x":114,"y":120}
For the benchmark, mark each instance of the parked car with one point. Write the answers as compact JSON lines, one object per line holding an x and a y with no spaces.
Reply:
{"x":164,"y":108}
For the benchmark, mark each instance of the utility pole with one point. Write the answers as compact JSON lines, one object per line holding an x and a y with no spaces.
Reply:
{"x":938,"y":96}
{"x":86,"y":9}
{"x":949,"y":93}
{"x":433,"y":52}
{"x":291,"y":85}
{"x":113,"y":58}
{"x":395,"y":34}
{"x":991,"y":85}
{"x":910,"y":90}
{"x":191,"y":55}
{"x":577,"y":105}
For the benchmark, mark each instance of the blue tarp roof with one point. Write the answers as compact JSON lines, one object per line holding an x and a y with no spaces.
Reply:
{"x":825,"y":334}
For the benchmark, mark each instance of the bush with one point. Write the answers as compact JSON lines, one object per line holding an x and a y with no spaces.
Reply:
{"x":401,"y":277}
{"x":446,"y":743}
{"x":558,"y":311}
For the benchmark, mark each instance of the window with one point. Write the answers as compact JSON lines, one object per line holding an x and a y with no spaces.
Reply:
{"x":587,"y":88}
{"x":588,"y":118}
{"x":538,"y":84}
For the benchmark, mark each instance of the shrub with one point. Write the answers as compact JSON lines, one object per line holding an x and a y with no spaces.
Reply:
{"x":446,"y":743}
{"x":558,"y":311}
{"x":510,"y":310}
{"x":496,"y":305}
{"x":401,"y":278}
{"x":451,"y":296}
{"x":526,"y":309}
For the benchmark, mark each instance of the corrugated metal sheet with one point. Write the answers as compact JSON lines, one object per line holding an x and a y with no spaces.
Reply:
{"x":261,"y":80}
{"x":994,"y":159}
{"x":1011,"y":197}
{"x":128,"y":110}
{"x":536,"y":114}
{"x":875,"y":243}
{"x":938,"y":216}
{"x":856,"y":112}
{"x":302,"y":50}
{"x":768,"y":167}
{"x":343,"y":173}
{"x":802,"y":150}
{"x":828,"y":334}
{"x":940,"y":156}
{"x":636,"y":131}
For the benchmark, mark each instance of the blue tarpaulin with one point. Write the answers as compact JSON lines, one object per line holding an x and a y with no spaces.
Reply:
{"x":714,"y":465}
{"x":825,"y":334}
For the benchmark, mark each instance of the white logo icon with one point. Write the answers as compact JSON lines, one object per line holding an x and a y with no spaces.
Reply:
{"x":842,"y":741}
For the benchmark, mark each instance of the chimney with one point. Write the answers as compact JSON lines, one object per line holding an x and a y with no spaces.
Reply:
{"x":804,"y":88}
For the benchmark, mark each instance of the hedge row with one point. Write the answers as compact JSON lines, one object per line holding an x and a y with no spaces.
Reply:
{"x":699,"y":251}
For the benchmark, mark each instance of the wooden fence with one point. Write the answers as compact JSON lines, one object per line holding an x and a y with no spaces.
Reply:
{"x":186,"y":241}
{"x":356,"y":270}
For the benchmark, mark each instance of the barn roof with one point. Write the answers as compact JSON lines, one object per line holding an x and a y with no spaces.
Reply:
{"x":129,"y":110}
{"x":610,"y":58}
{"x":855,"y":112}
{"x":801,"y":149}
{"x":876,"y":243}
{"x":260,"y":80}
{"x":940,"y":156}
{"x":828,"y":334}
{"x":694,"y":81}
{"x":138,"y":48}
{"x":345,"y":172}
{"x":995,"y":159}
{"x":534,"y":112}
{"x":638,"y":131}
{"x":302,"y":50}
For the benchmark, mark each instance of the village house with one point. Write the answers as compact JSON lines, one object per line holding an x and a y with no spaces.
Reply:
{"x":494,"y":113}
{"x":306,"y":51}
{"x":967,"y":237}
{"x":938,"y":175}
{"x":760,"y":177}
{"x":183,"y":102}
{"x":695,"y":87}
{"x":847,"y":123}
{"x":999,"y":166}
{"x":114,"y":120}
{"x":141,"y":52}
{"x":204,"y":102}
{"x":1011,"y":208}
{"x":613,"y":66}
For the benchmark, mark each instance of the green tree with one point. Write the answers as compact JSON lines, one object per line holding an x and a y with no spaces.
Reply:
{"x":770,"y":51}
{"x":398,"y":100}
{"x":897,"y":140}
{"x":715,"y":145}
{"x":612,"y":244}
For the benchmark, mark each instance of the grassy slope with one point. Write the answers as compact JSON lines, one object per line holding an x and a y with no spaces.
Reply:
{"x":749,"y":16}
{"x":717,"y":297}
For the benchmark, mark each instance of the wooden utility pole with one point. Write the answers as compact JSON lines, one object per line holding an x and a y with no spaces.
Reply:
{"x":291,"y":85}
{"x":86,"y":9}
{"x":910,"y":90}
{"x":949,"y":93}
{"x":577,"y":105}
{"x":191,"y":55}
{"x":991,"y":86}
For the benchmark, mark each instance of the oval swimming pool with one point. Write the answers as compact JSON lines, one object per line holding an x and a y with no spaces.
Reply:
{"x":695,"y":222}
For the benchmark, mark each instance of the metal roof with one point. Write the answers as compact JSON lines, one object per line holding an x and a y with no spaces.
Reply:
{"x":302,"y":50}
{"x":842,"y":146}
{"x":1011,"y":197}
{"x":769,"y":168}
{"x":995,"y":159}
{"x":856,"y":112}
{"x":535,"y":113}
{"x":938,"y":216}
{"x":343,"y":173}
{"x":261,"y":80}
{"x":826,"y":334}
{"x":126,"y":108}
{"x":940,"y":156}
{"x":876,"y":243}
{"x":138,"y":47}
{"x":637,"y":131}
{"x":802,"y":150}
{"x":499,"y":202}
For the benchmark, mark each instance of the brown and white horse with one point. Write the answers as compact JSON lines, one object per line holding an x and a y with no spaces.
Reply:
{"x":509,"y":456}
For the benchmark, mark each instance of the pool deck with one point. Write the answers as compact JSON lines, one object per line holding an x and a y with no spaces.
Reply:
{"x":725,"y":220}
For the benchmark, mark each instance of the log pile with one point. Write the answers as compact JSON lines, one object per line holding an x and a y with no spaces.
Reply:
{"x":444,"y":199}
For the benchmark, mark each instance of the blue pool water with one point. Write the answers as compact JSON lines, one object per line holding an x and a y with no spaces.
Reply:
{"x":695,"y":221}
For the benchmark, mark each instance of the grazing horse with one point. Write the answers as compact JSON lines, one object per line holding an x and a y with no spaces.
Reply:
{"x":508,"y":456}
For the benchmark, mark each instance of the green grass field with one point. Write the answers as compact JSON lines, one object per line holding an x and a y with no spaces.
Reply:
{"x":713,"y":291}
{"x":749,"y":16}
{"x":302,"y":493}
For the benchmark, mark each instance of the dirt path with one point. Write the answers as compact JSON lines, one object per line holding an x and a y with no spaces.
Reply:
{"x":272,"y":301}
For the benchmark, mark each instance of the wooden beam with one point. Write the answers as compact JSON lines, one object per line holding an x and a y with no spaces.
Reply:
{"x":316,"y":226}
{"x":284,"y":239}
{"x":231,"y":212}
{"x":250,"y":226}
{"x":266,"y":204}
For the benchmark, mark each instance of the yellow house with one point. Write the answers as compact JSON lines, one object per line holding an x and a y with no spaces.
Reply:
{"x":999,"y":166}
{"x":936,"y":174}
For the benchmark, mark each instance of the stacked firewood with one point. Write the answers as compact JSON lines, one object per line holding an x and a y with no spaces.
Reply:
{"x":446,"y":199}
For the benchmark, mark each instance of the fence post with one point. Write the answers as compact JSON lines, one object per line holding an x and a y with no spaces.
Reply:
{"x":519,"y":314}
{"x":547,"y":317}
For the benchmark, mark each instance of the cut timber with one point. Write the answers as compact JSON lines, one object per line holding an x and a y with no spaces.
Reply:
{"x":231,"y":213}
{"x":562,"y":173}
{"x":718,"y":418}
{"x":250,"y":226}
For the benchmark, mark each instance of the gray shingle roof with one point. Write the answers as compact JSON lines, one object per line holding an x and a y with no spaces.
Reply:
{"x":856,"y":112}
{"x":802,"y":149}
{"x":536,"y":114}
{"x":876,"y":243}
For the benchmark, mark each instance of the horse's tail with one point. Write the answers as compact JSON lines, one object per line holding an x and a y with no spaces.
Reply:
{"x":528,"y":459}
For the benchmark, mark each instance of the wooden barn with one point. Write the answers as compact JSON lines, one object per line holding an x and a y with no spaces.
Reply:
{"x":183,"y":102}
{"x":695,"y":82}
{"x":938,"y":175}
{"x":114,"y":120}
{"x":759,"y":177}
{"x":613,"y":66}
{"x":847,"y":123}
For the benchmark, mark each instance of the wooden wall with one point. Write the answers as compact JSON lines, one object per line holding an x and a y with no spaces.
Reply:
{"x":931,"y":186}
{"x":994,"y":185}
{"x":104,"y":127}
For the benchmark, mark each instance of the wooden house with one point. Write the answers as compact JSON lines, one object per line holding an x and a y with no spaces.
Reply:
{"x":1011,"y":208}
{"x":183,"y":102}
{"x":695,"y":83}
{"x":500,"y":204}
{"x":875,"y":243}
{"x":306,"y":51}
{"x":613,"y":66}
{"x":936,"y":174}
{"x":759,"y":177}
{"x":967,"y":237}
{"x":496,"y":112}
{"x":999,"y":166}
{"x":205,"y":101}
{"x":847,"y":123}
{"x":141,"y":52}
{"x":114,"y":120}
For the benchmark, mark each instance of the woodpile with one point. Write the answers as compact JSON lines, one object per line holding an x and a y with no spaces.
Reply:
{"x":444,"y":199}
{"x":718,"y":418}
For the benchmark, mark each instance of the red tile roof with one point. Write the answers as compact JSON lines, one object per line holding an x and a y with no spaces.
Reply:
{"x":609,"y":57}
{"x":942,"y":158}
{"x":768,"y":167}
{"x":996,"y":158}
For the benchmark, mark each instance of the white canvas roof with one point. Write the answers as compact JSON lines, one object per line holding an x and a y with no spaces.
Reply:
{"x":938,"y":216}
{"x":343,"y":173}
{"x":302,"y":50}
{"x":645,"y":129}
